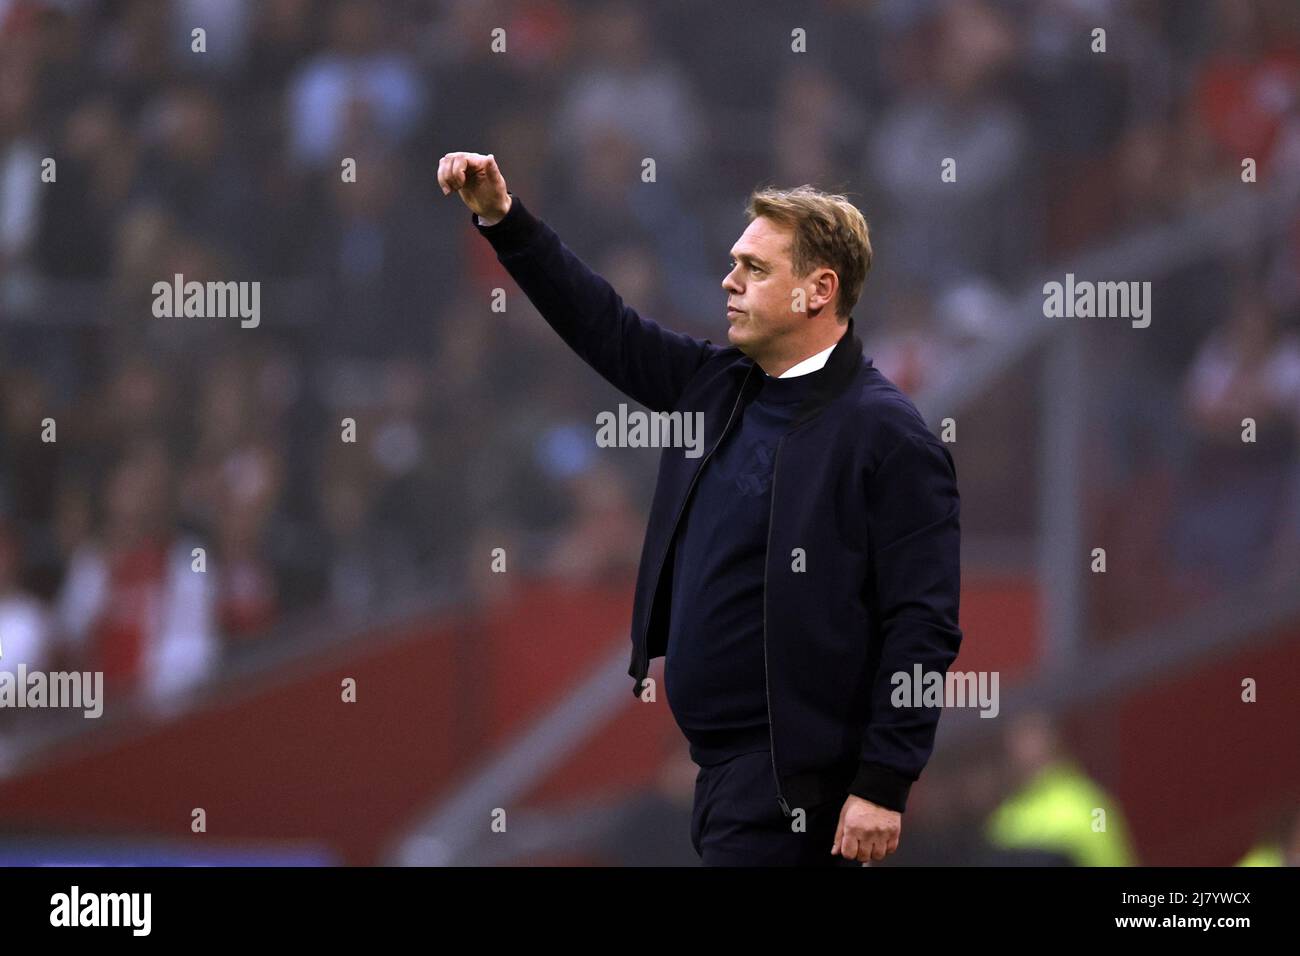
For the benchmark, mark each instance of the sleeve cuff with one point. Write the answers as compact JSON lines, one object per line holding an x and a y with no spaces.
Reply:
{"x":882,"y":786}
{"x":514,"y":230}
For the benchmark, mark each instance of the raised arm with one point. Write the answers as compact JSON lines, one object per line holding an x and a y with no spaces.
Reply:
{"x":640,"y":358}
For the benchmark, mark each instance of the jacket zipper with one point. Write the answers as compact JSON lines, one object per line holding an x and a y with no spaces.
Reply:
{"x":767,"y":559}
{"x":643,"y":650}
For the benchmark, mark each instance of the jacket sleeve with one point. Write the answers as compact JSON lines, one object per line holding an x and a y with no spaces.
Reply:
{"x":914,"y":530}
{"x":640,"y":358}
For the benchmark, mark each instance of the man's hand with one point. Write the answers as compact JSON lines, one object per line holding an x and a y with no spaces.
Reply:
{"x":866,"y":831}
{"x":479,"y":183}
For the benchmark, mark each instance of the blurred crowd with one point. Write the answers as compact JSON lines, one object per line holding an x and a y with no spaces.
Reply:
{"x":195,"y":440}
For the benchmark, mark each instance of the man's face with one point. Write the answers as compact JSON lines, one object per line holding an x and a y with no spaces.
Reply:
{"x":760,"y":285}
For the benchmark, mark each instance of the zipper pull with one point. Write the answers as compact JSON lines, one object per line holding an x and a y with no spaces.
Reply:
{"x":785,"y":807}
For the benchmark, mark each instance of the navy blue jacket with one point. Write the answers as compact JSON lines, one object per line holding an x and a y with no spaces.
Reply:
{"x":863,"y":570}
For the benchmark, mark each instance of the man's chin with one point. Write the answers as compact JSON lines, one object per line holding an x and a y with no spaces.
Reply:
{"x":739,"y":339}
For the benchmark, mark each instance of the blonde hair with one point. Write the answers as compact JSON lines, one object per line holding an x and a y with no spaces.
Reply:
{"x":828,"y":231}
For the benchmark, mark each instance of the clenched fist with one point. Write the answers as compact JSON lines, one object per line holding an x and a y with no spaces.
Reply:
{"x":479,"y":183}
{"x":866,"y":831}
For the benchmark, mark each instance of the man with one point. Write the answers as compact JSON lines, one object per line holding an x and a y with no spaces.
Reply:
{"x":806,"y":558}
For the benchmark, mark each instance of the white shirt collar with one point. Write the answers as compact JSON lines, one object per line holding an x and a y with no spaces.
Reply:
{"x":811,"y":364}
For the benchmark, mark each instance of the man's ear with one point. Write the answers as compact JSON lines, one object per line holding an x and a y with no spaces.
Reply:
{"x":826,"y":284}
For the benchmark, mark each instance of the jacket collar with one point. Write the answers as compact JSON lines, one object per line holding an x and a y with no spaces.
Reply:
{"x":843,"y":364}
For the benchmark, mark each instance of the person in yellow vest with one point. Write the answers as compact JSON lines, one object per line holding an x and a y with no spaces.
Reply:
{"x":1282,"y":848}
{"x":1263,"y":854}
{"x":1055,"y":807}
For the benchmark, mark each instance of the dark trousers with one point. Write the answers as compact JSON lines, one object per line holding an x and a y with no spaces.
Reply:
{"x":736,"y":820}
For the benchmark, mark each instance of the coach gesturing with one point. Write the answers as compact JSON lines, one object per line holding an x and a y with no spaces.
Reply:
{"x":806,"y":558}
